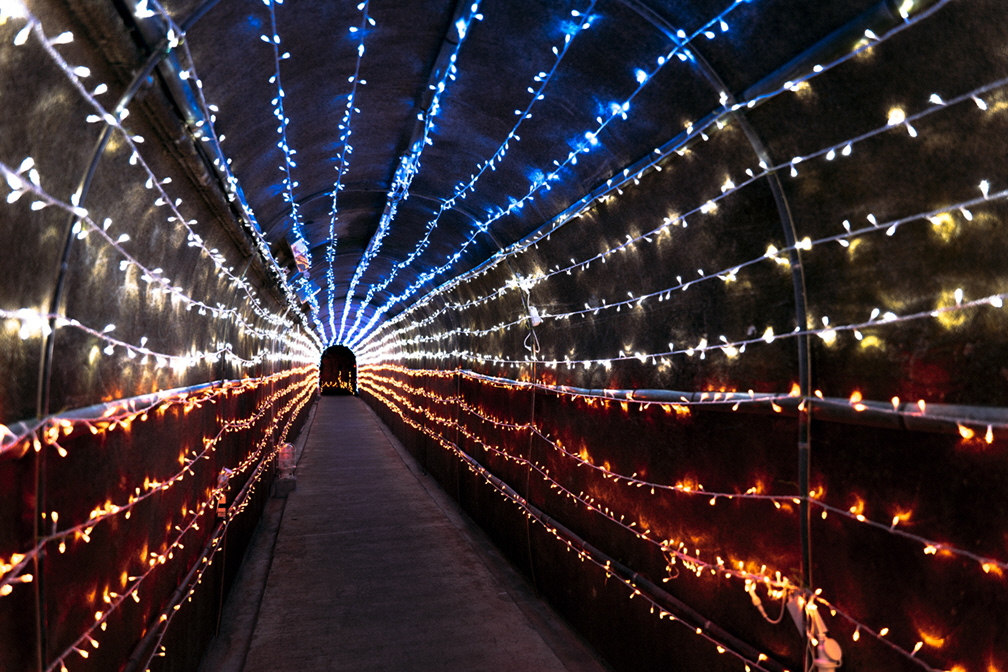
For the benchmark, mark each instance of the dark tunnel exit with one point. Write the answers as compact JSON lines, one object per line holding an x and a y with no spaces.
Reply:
{"x":338,"y":371}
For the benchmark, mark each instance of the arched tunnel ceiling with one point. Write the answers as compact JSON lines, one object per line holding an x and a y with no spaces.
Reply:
{"x":827,"y":180}
{"x":540,"y":86}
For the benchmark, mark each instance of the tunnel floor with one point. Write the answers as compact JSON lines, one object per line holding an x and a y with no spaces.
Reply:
{"x":375,"y":569}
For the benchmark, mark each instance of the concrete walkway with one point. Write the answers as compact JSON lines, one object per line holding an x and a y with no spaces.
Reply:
{"x":374,"y":569}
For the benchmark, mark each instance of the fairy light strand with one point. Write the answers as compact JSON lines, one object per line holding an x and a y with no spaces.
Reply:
{"x":409,"y":163}
{"x":235,"y":194}
{"x":283,"y":121}
{"x":154,"y":278}
{"x":584,"y":145}
{"x":692,"y":133}
{"x":463,"y":190}
{"x":61,"y":428}
{"x":343,"y":161}
{"x":512,"y":496}
{"x":370,"y":380}
{"x":286,"y":415}
{"x":34,"y":27}
{"x":727,"y":274}
{"x":677,"y":552}
{"x":731,"y":348}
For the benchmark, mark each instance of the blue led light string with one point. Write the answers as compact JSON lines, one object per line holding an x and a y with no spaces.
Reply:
{"x":314,"y":304}
{"x":463,"y":189}
{"x":343,"y":162}
{"x":284,"y":121}
{"x":297,"y":227}
{"x":409,"y":163}
{"x":585,"y":145}
{"x":174,"y":40}
{"x":692,"y":133}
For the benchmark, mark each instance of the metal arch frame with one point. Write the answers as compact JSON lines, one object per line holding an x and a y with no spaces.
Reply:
{"x":882,"y":15}
{"x":158,"y":54}
{"x":797,"y":271}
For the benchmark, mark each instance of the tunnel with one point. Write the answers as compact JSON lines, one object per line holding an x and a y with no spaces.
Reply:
{"x":691,"y":310}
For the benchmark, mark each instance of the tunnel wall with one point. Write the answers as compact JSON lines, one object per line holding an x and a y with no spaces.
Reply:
{"x":750,"y":381}
{"x":151,"y":367}
{"x":771,"y":354}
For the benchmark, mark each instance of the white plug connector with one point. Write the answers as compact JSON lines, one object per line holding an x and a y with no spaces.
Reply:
{"x":828,"y":654}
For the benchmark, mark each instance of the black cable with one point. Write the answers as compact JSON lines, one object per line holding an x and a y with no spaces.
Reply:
{"x":534,"y":347}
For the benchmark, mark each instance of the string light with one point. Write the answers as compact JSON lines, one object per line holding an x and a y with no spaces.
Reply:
{"x":692,"y":134}
{"x":380,"y":383}
{"x":262,"y":334}
{"x":34,"y":27}
{"x":342,"y":383}
{"x":300,"y":244}
{"x":233,"y":190}
{"x":283,"y":121}
{"x":409,"y":163}
{"x":121,"y":415}
{"x":532,"y":515}
{"x":585,"y":144}
{"x":729,"y":348}
{"x":157,"y":283}
{"x":654,"y":236}
{"x":343,"y":161}
{"x":240,"y":503}
{"x":583,"y":20}
{"x":381,"y":347}
{"x":286,"y":415}
{"x":372,"y":378}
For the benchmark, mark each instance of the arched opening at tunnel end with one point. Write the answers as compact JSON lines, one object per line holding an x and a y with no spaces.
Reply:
{"x":338,"y":371}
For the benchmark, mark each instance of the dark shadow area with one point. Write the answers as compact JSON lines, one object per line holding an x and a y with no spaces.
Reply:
{"x":338,"y":371}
